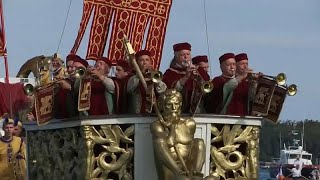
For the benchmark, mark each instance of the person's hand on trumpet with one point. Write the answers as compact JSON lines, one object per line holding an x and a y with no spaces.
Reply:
{"x":95,"y":73}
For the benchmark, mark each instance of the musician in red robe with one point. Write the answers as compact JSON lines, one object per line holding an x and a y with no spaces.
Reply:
{"x":139,"y":99}
{"x":180,"y":74}
{"x":64,"y":106}
{"x":102,"y":88}
{"x":230,"y":92}
{"x":123,"y":73}
{"x":78,"y":62}
{"x":202,"y":66}
{"x":202,"y":62}
{"x":242,"y":61}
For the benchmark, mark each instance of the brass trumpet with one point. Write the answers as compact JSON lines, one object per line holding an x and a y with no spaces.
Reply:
{"x":156,"y":76}
{"x":281,"y":78}
{"x":28,"y":89}
{"x":79,"y":72}
{"x":292,"y":90}
{"x":206,"y":86}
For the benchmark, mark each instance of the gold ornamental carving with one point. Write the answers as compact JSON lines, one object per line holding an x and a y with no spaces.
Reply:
{"x":234,"y":152}
{"x":88,"y":152}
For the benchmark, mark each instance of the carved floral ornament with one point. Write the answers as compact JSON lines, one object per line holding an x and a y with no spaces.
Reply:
{"x":86,"y":152}
{"x":234,"y":152}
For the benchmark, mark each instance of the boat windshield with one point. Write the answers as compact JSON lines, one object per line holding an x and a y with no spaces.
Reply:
{"x":304,"y":156}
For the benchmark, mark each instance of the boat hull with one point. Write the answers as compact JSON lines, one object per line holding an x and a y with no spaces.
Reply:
{"x":306,"y":170}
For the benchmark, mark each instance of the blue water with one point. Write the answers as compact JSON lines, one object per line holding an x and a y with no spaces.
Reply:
{"x":264,"y":174}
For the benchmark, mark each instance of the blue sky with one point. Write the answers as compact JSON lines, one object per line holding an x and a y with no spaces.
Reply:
{"x":278,"y":36}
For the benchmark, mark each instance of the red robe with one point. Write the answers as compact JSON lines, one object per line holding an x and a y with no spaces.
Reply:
{"x":173,"y":75}
{"x":238,"y":104}
{"x":64,"y":106}
{"x":120,"y":95}
{"x":98,"y":102}
{"x":60,"y":107}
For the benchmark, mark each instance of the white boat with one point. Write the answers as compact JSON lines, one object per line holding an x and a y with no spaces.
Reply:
{"x":288,"y":155}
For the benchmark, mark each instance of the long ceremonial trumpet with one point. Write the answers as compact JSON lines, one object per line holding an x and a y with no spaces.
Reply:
{"x":28,"y":89}
{"x":156,"y":76}
{"x":79,"y":72}
{"x":206,"y":86}
{"x":292,"y":90}
{"x":281,"y":78}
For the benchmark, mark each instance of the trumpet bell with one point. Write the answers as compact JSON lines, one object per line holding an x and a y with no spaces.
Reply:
{"x":292,"y":90}
{"x":28,"y":89}
{"x":281,"y":79}
{"x":79,"y":72}
{"x":156,"y":76}
{"x":206,"y":87}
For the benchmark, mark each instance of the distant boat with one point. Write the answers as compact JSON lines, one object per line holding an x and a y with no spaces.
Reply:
{"x":290,"y":154}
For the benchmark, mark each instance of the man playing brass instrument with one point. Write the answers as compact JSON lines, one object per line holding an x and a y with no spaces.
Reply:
{"x":229,"y":95}
{"x":249,"y":83}
{"x":102,"y":88}
{"x":202,"y":62}
{"x":181,"y":71}
{"x":202,"y":66}
{"x":64,"y":106}
{"x":141,"y":100}
{"x":177,"y":152}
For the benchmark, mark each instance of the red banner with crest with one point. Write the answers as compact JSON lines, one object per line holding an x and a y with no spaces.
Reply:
{"x":134,"y":18}
{"x":44,"y":103}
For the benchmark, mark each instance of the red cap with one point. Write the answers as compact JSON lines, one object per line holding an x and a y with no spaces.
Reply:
{"x":72,"y":57}
{"x":198,"y":59}
{"x":106,"y":60}
{"x":241,"y":56}
{"x":225,"y":57}
{"x":141,"y":53}
{"x":124,"y":64}
{"x":80,"y":60}
{"x":181,"y":46}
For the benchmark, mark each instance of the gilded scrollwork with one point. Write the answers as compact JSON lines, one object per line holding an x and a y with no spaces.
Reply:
{"x":88,"y":152}
{"x":234,"y":152}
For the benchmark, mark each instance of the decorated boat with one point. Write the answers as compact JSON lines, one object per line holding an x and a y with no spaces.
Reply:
{"x":127,"y":146}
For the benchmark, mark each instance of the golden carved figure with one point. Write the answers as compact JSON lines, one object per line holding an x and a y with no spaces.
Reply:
{"x":178,"y":155}
{"x":229,"y":160}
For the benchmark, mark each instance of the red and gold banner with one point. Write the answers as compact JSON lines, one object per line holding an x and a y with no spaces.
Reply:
{"x":44,"y":103}
{"x":134,"y":18}
{"x":84,"y":94}
{"x":277,"y":100}
{"x":261,"y":104}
